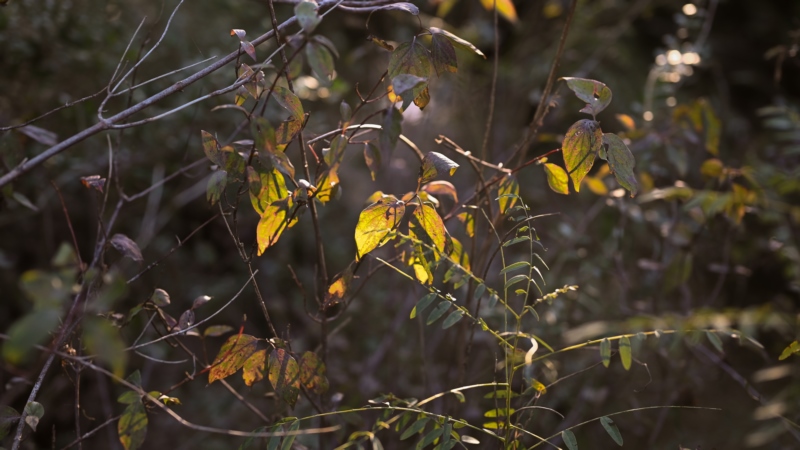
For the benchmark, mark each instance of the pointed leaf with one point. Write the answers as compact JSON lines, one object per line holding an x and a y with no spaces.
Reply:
{"x":596,"y":94}
{"x":289,"y":101}
{"x":312,"y":373}
{"x":580,"y":147}
{"x":273,"y":222}
{"x":611,"y":429}
{"x":266,"y":187}
{"x":375,"y":223}
{"x":328,"y":184}
{"x":339,"y":287}
{"x":284,"y":375}
{"x":253,"y":368}
{"x":457,"y":41}
{"x":790,"y":349}
{"x":127,"y":247}
{"x":452,"y":319}
{"x":557,"y":178}
{"x":569,"y":440}
{"x":515,"y":266}
{"x":435,"y":165}
{"x":504,"y":7}
{"x":336,"y":152}
{"x":621,"y":162}
{"x":605,"y":352}
{"x":132,"y":426}
{"x":438,"y":312}
{"x":321,"y":62}
{"x":507,"y":192}
{"x":625,"y":352}
{"x":428,"y":227}
{"x":232,"y":356}
{"x":410,"y":58}
{"x":443,"y":54}
{"x":217,"y":330}
{"x":422,"y":304}
{"x":34,"y":411}
{"x":441,"y":187}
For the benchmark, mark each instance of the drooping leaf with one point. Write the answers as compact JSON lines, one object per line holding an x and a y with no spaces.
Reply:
{"x":452,"y":319}
{"x":284,"y":375}
{"x":103,"y":339}
{"x":625,"y":352}
{"x":443,"y":54}
{"x":339,"y":287}
{"x":246,"y":45}
{"x":429,"y":438}
{"x":460,"y":260}
{"x":557,"y":178}
{"x":411,"y":58}
{"x":200,"y":300}
{"x":423,"y":98}
{"x":186,"y":320}
{"x":392,"y":127}
{"x":715,"y":341}
{"x":469,"y":440}
{"x":289,"y":101}
{"x":596,"y":94}
{"x":217,"y":330}
{"x":336,"y":152}
{"x":401,"y":6}
{"x":441,"y":187}
{"x":253,"y":368}
{"x":468,"y":219}
{"x":27,"y":332}
{"x":423,"y":303}
{"x":435,"y":165}
{"x":328,"y":184}
{"x":375,"y":222}
{"x":422,"y":264}
{"x":415,"y":428}
{"x":793,"y":348}
{"x":605,"y":352}
{"x":569,"y":440}
{"x":621,"y":162}
{"x":321,"y":61}
{"x":507,"y":192}
{"x":312,"y":373}
{"x":132,"y":426}
{"x":216,"y":186}
{"x":583,"y":141}
{"x":426,"y":226}
{"x":127,"y":247}
{"x":457,"y":41}
{"x":438,"y":312}
{"x":34,"y":411}
{"x":345,"y":111}
{"x":232,"y":356}
{"x":288,"y":129}
{"x":274,"y":221}
{"x":263,"y":135}
{"x":372,"y":156}
{"x":307,"y":16}
{"x":160,"y":298}
{"x":266,"y":187}
{"x":611,"y":429}
{"x":504,"y":7}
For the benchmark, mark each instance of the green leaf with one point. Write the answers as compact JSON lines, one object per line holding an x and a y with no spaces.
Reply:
{"x":429,"y":438}
{"x":621,"y":162}
{"x":273,"y":222}
{"x":605,"y":351}
{"x":339,"y":287}
{"x":443,"y":54}
{"x":321,"y":61}
{"x":103,"y":339}
{"x":211,"y":148}
{"x":516,"y":240}
{"x":392,"y":126}
{"x":375,"y":222}
{"x":265,"y":187}
{"x":426,"y":226}
{"x":557,"y":178}
{"x":372,"y":156}
{"x":264,"y":134}
{"x":583,"y":141}
{"x":422,"y":304}
{"x":457,"y":41}
{"x":435,"y":165}
{"x":410,"y":58}
{"x":328,"y":184}
{"x":128,"y":397}
{"x":515,"y":266}
{"x":34,"y":411}
{"x":336,"y":153}
{"x":288,"y":441}
{"x":514,"y":280}
{"x":289,"y":101}
{"x":625,"y":352}
{"x":284,"y":375}
{"x":8,"y":416}
{"x":596,"y":94}
{"x":405,"y":82}
{"x":438,"y":312}
{"x":791,"y":349}
{"x":253,"y":368}
{"x":27,"y":332}
{"x":499,"y":412}
{"x":132,"y":426}
{"x":232,"y":356}
{"x":345,"y":111}
{"x":715,"y":341}
{"x":452,"y":319}
{"x":415,"y":428}
{"x":312,"y":373}
{"x":507,"y":192}
{"x":307,"y":16}
{"x":569,"y":440}
{"x":611,"y":429}
{"x":216,"y":186}
{"x":217,"y":330}
{"x":160,"y":298}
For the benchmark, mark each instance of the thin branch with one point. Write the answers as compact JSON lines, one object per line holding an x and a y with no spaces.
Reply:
{"x":91,"y":432}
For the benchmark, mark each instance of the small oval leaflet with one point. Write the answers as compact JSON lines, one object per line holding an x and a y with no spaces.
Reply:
{"x":569,"y":440}
{"x":452,"y":319}
{"x":605,"y":352}
{"x":625,"y":352}
{"x":438,"y":312}
{"x":611,"y":429}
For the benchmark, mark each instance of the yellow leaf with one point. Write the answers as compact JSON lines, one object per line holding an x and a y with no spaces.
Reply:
{"x":253,"y":369}
{"x":504,"y":7}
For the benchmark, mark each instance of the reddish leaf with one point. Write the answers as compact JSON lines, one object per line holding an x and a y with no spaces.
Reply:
{"x":273,"y":222}
{"x":232,"y":356}
{"x":93,"y":182}
{"x":321,"y":61}
{"x":583,"y":141}
{"x":132,"y":426}
{"x":443,"y":54}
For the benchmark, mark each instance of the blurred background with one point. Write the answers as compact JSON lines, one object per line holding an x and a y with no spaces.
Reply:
{"x":706,"y":93}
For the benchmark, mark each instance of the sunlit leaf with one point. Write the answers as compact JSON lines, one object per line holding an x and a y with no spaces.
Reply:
{"x":406,"y":83}
{"x":375,"y":222}
{"x":232,"y":356}
{"x":469,"y":440}
{"x":611,"y":429}
{"x":569,"y":440}
{"x":284,"y":375}
{"x":217,"y":330}
{"x":312,"y":373}
{"x":793,"y":348}
{"x":321,"y":61}
{"x":596,"y":94}
{"x":132,"y":426}
{"x":265,"y":187}
{"x":253,"y":367}
{"x":557,"y":178}
{"x":625,"y":352}
{"x":443,"y":54}
{"x":103,"y":339}
{"x":126,"y":246}
{"x":274,"y":221}
{"x":596,"y":185}
{"x":423,"y":98}
{"x":411,"y":58}
{"x":441,"y":187}
{"x":426,"y":226}
{"x":507,"y":192}
{"x":605,"y":352}
{"x":504,"y":7}
{"x":336,"y":152}
{"x":621,"y":162}
{"x":580,"y":147}
{"x":307,"y":16}
{"x":435,"y":165}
